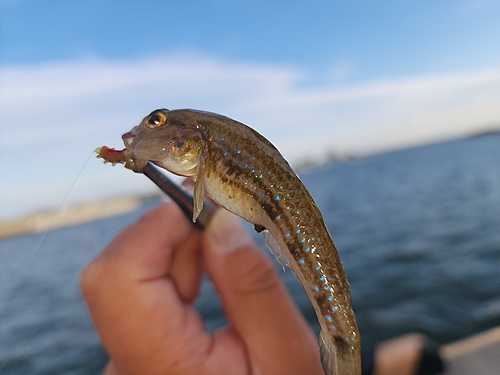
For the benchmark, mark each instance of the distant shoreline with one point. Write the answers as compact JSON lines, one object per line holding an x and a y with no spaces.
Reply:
{"x":49,"y":220}
{"x":485,"y":133}
{"x":41,"y":222}
{"x":332,"y":158}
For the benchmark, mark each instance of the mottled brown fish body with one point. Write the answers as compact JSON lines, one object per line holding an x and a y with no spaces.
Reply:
{"x":248,"y":176}
{"x":244,"y":173}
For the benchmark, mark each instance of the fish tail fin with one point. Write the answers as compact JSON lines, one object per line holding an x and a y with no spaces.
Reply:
{"x":338,"y":358}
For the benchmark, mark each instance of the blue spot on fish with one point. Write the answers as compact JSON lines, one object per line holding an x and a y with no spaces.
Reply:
{"x":308,"y":249}
{"x":327,"y":287}
{"x":330,"y":299}
{"x":239,"y":151}
{"x":318,"y":268}
{"x":303,"y":240}
{"x":301,"y":260}
{"x":225,"y":153}
{"x":278,"y":217}
{"x":322,"y":278}
{"x":316,"y":288}
{"x":245,"y":165}
{"x":287,"y":234}
{"x":329,"y":318}
{"x":262,"y":195}
{"x":260,"y":175}
{"x":297,"y":231}
{"x":277,"y":197}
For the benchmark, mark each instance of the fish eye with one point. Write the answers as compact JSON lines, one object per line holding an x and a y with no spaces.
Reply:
{"x":155,"y":120}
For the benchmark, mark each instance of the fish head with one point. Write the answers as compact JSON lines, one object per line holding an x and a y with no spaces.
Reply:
{"x":167,"y":139}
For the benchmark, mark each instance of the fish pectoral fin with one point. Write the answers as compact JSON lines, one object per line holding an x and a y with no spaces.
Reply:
{"x":199,"y":190}
{"x":275,"y":248}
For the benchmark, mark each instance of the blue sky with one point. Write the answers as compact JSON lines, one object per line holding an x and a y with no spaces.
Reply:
{"x":312,"y":76}
{"x":385,"y":37}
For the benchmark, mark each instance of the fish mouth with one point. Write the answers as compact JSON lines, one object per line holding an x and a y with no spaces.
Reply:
{"x":110,"y":155}
{"x":128,"y":139}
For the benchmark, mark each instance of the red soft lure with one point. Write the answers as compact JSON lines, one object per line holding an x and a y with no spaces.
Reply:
{"x":110,"y":155}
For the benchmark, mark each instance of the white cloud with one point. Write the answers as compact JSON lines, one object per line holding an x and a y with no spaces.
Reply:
{"x":53,"y":115}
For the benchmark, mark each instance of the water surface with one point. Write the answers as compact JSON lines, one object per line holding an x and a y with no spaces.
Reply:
{"x":418,"y":232}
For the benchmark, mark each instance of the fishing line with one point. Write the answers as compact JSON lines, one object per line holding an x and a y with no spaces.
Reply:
{"x":49,"y":227}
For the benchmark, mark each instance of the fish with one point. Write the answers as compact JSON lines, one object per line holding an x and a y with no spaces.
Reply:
{"x":245,"y":173}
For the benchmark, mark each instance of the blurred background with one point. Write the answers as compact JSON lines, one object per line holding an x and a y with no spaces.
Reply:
{"x":389,"y":111}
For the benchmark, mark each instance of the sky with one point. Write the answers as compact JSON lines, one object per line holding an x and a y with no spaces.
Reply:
{"x":314,"y":77}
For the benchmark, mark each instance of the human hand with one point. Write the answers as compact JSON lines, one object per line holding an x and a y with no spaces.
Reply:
{"x":141,"y":290}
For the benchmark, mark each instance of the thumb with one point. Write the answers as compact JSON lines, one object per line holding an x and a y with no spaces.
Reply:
{"x":254,"y":298}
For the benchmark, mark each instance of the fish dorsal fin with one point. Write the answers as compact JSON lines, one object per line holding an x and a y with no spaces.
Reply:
{"x":275,"y":248}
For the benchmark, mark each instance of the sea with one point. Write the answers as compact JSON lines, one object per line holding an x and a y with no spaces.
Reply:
{"x":418,"y":231}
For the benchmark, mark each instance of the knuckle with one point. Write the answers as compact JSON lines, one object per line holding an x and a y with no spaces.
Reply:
{"x":91,"y":277}
{"x":148,"y":217}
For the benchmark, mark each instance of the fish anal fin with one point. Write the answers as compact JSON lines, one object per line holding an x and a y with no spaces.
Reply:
{"x":259,"y":228}
{"x":275,"y":248}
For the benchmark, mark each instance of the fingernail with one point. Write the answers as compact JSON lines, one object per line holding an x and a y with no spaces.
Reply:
{"x":226,"y":232}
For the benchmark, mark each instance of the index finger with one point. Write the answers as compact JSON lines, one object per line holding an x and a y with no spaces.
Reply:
{"x":134,"y":289}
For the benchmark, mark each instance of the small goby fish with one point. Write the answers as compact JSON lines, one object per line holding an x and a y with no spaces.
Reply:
{"x":244,"y":173}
